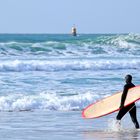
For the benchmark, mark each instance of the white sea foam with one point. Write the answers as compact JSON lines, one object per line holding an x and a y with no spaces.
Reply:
{"x":46,"y":101}
{"x":60,"y":65}
{"x":114,"y":125}
{"x":49,"y":101}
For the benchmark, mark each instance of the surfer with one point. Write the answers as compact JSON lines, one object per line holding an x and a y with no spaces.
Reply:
{"x":130,"y":108}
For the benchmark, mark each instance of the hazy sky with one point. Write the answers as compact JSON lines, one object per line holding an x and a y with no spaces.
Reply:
{"x":58,"y":16}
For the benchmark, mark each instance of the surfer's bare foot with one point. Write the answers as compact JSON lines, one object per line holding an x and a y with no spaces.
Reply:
{"x":118,"y":124}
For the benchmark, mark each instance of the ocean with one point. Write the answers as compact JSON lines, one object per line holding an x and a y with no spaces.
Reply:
{"x":47,"y":79}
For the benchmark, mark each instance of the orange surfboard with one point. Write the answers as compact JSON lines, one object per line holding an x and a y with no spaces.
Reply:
{"x":110,"y":104}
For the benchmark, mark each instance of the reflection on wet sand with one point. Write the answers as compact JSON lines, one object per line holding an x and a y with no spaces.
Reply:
{"x":120,"y":135}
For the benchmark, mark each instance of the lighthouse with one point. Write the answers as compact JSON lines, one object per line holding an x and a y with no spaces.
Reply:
{"x":73,"y":32}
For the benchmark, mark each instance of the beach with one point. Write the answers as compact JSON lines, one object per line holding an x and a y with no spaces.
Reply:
{"x":46,"y":81}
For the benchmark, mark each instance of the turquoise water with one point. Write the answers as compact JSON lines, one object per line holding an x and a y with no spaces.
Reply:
{"x":57,"y":75}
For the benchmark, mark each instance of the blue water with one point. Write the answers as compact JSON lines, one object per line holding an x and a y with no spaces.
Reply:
{"x":59,"y":75}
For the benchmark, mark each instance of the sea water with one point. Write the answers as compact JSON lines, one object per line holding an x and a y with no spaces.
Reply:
{"x":47,"y":79}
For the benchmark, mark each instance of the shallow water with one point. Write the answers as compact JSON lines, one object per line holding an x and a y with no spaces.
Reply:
{"x":63,"y":125}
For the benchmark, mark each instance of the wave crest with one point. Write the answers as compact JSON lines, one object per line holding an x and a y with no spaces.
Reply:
{"x":45,"y":101}
{"x":81,"y":46}
{"x":61,"y":65}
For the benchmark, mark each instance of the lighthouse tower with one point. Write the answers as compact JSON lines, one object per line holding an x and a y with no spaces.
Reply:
{"x":73,"y":31}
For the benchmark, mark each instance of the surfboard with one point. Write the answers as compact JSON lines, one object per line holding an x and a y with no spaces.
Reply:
{"x":110,"y":104}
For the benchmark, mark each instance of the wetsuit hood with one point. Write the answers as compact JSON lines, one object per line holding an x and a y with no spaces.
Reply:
{"x":128,"y":78}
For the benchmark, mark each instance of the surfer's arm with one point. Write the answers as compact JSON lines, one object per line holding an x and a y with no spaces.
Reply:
{"x":124,"y":94}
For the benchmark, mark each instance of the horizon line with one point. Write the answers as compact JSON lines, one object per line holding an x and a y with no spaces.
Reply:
{"x":71,"y":34}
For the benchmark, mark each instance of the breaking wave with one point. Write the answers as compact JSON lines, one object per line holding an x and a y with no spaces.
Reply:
{"x":45,"y":101}
{"x":61,"y":65}
{"x":83,"y":45}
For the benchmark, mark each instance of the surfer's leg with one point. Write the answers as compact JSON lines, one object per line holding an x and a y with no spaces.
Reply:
{"x":122,"y":112}
{"x":133,"y":115}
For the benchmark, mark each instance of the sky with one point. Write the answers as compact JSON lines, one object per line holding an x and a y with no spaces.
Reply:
{"x":58,"y":16}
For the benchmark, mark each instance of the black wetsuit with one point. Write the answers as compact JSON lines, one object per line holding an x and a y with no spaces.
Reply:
{"x":131,"y":108}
